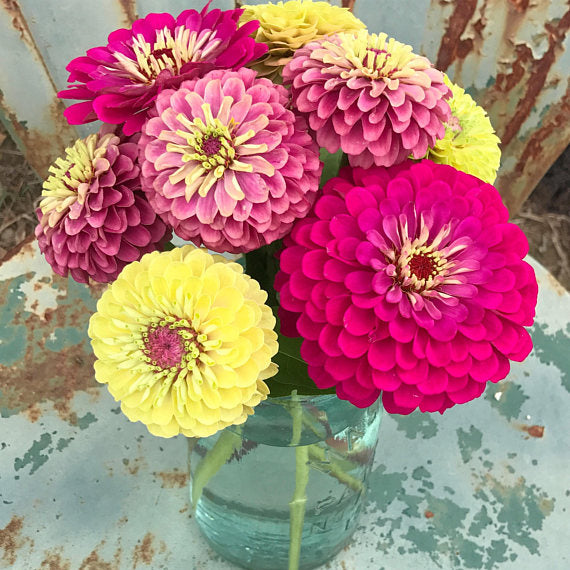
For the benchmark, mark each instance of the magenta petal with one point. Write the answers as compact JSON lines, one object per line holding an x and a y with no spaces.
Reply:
{"x":402,"y":330}
{"x":436,"y":382}
{"x":382,"y":355}
{"x":385,"y":380}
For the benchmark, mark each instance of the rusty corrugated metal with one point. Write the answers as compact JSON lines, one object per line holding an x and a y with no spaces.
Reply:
{"x":511,"y":55}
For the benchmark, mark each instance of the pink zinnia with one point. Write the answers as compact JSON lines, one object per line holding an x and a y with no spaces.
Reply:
{"x":226,"y":164}
{"x":408,"y":282}
{"x":120,"y":81}
{"x":94,"y":218}
{"x":369,"y":96}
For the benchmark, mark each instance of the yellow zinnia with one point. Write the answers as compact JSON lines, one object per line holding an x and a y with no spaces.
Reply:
{"x":470,"y":143}
{"x":285,"y":27}
{"x":184,"y":340}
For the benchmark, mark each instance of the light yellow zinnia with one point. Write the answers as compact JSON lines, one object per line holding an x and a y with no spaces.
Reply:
{"x":285,"y":27}
{"x":470,"y":143}
{"x":184,"y":340}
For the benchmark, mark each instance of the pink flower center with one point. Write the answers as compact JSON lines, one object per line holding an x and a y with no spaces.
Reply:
{"x":211,"y":146}
{"x":172,"y":344}
{"x":165,"y":347}
{"x":422,"y":266}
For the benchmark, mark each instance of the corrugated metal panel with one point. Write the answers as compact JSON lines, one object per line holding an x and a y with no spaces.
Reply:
{"x":511,"y":55}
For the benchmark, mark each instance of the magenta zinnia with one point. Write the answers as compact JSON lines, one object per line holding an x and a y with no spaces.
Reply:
{"x":408,"y":282}
{"x":94,"y":218}
{"x":226,"y":163}
{"x":370,"y":96}
{"x":120,"y":81}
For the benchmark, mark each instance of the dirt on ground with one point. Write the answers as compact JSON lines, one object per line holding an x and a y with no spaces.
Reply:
{"x":544,"y":217}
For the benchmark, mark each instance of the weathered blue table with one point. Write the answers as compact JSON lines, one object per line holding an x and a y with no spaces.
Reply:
{"x":484,"y":486}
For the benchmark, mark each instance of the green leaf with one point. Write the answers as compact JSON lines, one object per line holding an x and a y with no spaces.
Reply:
{"x":293,"y":374}
{"x":332,"y":165}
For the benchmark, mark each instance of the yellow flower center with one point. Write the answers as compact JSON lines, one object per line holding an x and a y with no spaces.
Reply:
{"x":70,"y":177}
{"x":211,"y":148}
{"x":420,"y":268}
{"x":166,"y":52}
{"x":375,"y":56}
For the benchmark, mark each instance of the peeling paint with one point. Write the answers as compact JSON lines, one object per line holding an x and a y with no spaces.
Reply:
{"x":416,"y":424}
{"x":469,"y":442}
{"x":511,"y":398}
{"x":43,"y":340}
{"x":552,"y":349}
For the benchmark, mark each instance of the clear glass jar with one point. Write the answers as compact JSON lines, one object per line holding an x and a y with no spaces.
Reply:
{"x":290,"y":482}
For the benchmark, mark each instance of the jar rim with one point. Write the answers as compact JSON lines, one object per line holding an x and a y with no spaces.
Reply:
{"x":301,"y":398}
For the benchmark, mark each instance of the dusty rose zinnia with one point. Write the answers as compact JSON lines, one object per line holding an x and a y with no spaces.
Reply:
{"x":93,"y":218}
{"x":226,"y":163}
{"x":120,"y":81}
{"x":408,"y":282}
{"x":370,"y":96}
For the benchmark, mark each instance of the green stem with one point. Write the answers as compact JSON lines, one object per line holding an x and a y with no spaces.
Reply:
{"x":335,"y":470}
{"x":227,"y":443}
{"x":298,"y":503}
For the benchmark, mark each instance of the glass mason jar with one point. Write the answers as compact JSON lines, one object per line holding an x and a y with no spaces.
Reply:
{"x":285,"y":489}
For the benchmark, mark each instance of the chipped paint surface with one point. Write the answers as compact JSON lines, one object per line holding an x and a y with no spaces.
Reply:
{"x":513,"y":56}
{"x":484,"y":486}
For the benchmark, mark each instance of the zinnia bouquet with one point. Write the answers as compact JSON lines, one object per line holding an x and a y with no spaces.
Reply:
{"x":349,"y":179}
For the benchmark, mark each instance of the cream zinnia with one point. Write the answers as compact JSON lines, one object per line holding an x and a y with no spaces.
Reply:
{"x":184,"y":340}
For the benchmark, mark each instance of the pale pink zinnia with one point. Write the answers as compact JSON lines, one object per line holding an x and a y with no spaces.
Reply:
{"x":369,"y":96}
{"x":120,"y":81}
{"x":226,"y":163}
{"x":93,"y":218}
{"x":408,"y":282}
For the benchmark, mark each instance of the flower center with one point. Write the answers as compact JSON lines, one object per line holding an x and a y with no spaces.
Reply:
{"x":423,"y":265}
{"x":172,"y":346}
{"x":211,"y":148}
{"x":70,"y":176}
{"x":375,"y":56}
{"x":211,"y":145}
{"x":164,"y":346}
{"x":166,"y":52}
{"x":420,"y":267}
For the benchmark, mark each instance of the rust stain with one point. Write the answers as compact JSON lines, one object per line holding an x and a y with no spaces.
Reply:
{"x":519,"y":5}
{"x":428,"y":515}
{"x":11,"y":540}
{"x":41,"y":148}
{"x":538,"y":74}
{"x":535,"y":155}
{"x":24,"y":247}
{"x":134,"y":465}
{"x":130,"y":10}
{"x":54,"y":561}
{"x":93,"y":562}
{"x":172,"y":479}
{"x":34,"y":413}
{"x":144,"y":551}
{"x":533,"y":431}
{"x":45,"y":375}
{"x":18,"y":21}
{"x":451,"y":47}
{"x":556,"y":285}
